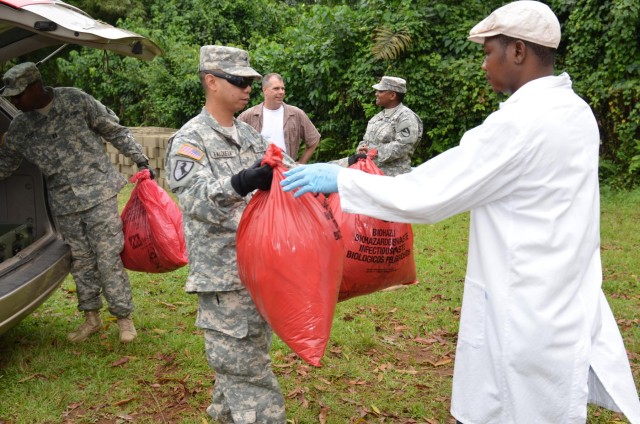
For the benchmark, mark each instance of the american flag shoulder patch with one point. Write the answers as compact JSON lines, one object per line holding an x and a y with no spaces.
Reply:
{"x":191,"y":152}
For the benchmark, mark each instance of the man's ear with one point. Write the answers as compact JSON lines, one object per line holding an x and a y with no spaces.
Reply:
{"x":210,"y":81}
{"x":519,"y":51}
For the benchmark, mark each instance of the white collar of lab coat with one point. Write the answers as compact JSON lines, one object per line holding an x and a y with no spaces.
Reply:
{"x":562,"y":80}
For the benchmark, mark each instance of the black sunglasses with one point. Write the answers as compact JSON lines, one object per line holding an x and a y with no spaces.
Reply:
{"x":238,"y":81}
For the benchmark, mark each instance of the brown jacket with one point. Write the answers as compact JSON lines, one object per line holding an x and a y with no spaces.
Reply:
{"x":297,"y":127}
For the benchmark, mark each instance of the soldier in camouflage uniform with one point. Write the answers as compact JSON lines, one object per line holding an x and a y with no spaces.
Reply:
{"x":61,"y":130}
{"x":212,"y":166}
{"x":394,"y":132}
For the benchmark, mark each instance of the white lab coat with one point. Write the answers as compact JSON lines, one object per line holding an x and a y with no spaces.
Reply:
{"x":537,"y":338}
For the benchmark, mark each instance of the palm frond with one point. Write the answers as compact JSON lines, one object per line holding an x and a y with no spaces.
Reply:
{"x":389,"y":44}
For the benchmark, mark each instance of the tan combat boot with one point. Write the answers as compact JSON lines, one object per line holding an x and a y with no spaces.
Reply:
{"x":127,"y":330}
{"x":92,"y":324}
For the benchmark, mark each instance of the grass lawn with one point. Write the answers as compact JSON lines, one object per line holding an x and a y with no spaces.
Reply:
{"x":389,"y":359}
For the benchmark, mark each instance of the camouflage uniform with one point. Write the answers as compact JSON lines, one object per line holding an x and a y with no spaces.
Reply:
{"x":201,"y":159}
{"x":395,"y":133}
{"x":67,"y":147}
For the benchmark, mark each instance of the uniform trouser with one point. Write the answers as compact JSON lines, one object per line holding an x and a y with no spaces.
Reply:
{"x":237,"y":343}
{"x":96,"y":240}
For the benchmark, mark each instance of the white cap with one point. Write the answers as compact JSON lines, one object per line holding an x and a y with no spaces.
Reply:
{"x":525,"y":20}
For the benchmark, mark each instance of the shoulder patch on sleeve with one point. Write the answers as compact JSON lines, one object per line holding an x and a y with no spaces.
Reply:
{"x":182,"y":169}
{"x":190,"y":151}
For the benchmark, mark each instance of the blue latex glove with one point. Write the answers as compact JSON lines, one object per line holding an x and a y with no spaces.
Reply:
{"x":315,"y":178}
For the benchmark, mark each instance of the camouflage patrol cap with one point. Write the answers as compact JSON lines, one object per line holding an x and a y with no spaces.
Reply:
{"x":392,"y":84}
{"x":231,"y":60}
{"x":18,"y":78}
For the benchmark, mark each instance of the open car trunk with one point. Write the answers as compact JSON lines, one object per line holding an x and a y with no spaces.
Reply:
{"x":29,"y":25}
{"x":34,"y":260}
{"x":33,"y":257}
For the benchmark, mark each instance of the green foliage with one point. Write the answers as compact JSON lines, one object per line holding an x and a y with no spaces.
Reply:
{"x":203,"y":22}
{"x":165,"y":92}
{"x":329,"y":61}
{"x":111,"y":11}
{"x":329,"y":88}
{"x":332,"y":52}
{"x":389,"y":44}
{"x":603,"y":56}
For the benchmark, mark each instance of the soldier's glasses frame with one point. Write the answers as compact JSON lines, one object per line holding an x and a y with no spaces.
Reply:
{"x":238,"y":81}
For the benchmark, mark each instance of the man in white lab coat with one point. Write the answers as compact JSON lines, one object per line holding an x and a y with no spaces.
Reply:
{"x":537,"y":339}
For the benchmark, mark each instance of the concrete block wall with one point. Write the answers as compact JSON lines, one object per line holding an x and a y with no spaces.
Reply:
{"x":154,"y":143}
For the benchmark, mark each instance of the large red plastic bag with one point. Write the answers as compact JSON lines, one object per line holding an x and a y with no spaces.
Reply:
{"x":152,"y":226}
{"x":378,"y":254}
{"x":290,"y":260}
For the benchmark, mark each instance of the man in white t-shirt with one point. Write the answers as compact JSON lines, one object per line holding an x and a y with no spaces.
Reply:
{"x":284,"y":125}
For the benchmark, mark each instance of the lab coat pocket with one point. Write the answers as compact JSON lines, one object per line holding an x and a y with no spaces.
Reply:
{"x":473,"y":314}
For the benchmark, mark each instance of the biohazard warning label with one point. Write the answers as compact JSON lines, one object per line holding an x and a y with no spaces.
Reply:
{"x":380,"y":246}
{"x":378,"y":253}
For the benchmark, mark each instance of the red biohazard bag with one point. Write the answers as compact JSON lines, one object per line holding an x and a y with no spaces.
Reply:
{"x":377,"y":254}
{"x":290,"y":260}
{"x":152,"y":227}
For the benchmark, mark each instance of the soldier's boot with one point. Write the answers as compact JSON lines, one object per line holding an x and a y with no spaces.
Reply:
{"x":127,"y":330}
{"x":92,"y":324}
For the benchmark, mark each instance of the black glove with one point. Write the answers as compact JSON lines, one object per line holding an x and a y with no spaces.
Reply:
{"x":145,"y":165}
{"x":255,"y":177}
{"x":354,"y":158}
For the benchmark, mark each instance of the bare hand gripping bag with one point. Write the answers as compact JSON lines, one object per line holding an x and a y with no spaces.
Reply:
{"x":290,"y":259}
{"x":152,"y":226}
{"x":377,"y":254}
